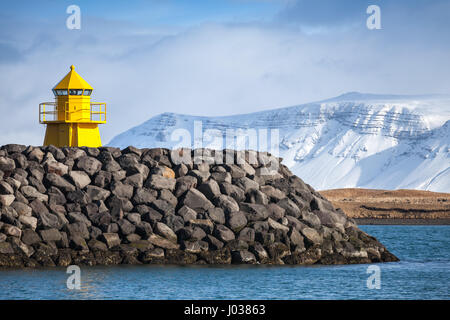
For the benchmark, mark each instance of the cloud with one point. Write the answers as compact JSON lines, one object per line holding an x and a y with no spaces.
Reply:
{"x":207,"y":69}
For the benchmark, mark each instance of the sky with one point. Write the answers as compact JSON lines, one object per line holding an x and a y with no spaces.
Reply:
{"x":214,"y":57}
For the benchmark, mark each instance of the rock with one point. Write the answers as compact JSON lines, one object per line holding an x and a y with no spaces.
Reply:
{"x":201,"y":176}
{"x":197,"y":201}
{"x":144,"y":196}
{"x":247,"y":235}
{"x":77,"y":229}
{"x":163,"y":207}
{"x":227,"y":203}
{"x":134,"y":218}
{"x":25,"y":249}
{"x":126,"y":227}
{"x":105,"y":206}
{"x":97,"y":193}
{"x":27,"y":221}
{"x":192,"y":246}
{"x":221,"y":177}
{"x":311,"y":219}
{"x":254,"y":212}
{"x":256,"y":196}
{"x":56,"y":167}
{"x":296,"y":239}
{"x":187,"y":213}
{"x":122,"y":190}
{"x":164,"y":231}
{"x":243,"y":256}
{"x":7,"y":164}
{"x":78,"y":197}
{"x":89,"y":165}
{"x":52,"y":179}
{"x":221,"y":256}
{"x":80,"y":179}
{"x":275,"y":211}
{"x":312,"y":236}
{"x":205,"y":224}
{"x":7,"y":199}
{"x":210,"y":189}
{"x":246,"y":184}
{"x":223,"y":233}
{"x":264,"y":237}
{"x":233,"y":191}
{"x":96,"y":245}
{"x":6,"y":248}
{"x":168,"y":196}
{"x":236,"y":221}
{"x":50,"y":235}
{"x":176,"y":256}
{"x":217,"y":215}
{"x":159,"y":182}
{"x":103,"y":178}
{"x":31,"y":193}
{"x":290,"y":207}
{"x":214,"y":243}
{"x":273,"y":193}
{"x":30,"y":237}
{"x":277,"y":226}
{"x":258,"y":250}
{"x":78,"y":243}
{"x":11,"y":230}
{"x":136,"y":180}
{"x":111,"y":239}
{"x":5,"y":188}
{"x":184,"y":184}
{"x":21,"y":208}
{"x":162,"y":242}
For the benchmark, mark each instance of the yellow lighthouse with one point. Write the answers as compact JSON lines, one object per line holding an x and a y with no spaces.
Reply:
{"x":72,"y":120}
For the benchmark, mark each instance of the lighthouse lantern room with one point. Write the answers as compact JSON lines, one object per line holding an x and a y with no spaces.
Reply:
{"x":72,"y":120}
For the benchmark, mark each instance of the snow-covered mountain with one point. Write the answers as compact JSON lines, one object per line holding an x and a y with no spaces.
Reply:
{"x":353,"y":140}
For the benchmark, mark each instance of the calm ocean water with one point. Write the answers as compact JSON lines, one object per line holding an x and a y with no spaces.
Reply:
{"x":423,"y":273}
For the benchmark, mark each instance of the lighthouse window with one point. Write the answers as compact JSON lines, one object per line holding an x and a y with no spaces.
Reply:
{"x":87,"y":92}
{"x":61,"y":92}
{"x":75,"y":92}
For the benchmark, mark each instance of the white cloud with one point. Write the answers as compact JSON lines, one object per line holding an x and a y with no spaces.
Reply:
{"x":211,"y":69}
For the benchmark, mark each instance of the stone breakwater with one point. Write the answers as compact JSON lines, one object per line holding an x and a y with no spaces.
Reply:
{"x":106,"y":206}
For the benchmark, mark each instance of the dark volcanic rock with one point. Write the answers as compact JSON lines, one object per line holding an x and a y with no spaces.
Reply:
{"x":104,"y":206}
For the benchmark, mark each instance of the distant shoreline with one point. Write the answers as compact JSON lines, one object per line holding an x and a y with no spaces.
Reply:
{"x":424,"y":222}
{"x":392,"y":207}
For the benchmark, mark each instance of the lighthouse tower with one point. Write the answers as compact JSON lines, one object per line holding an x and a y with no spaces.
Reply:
{"x":72,"y":120}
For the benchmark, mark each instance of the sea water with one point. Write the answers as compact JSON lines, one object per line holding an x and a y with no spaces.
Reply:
{"x":422,"y":273}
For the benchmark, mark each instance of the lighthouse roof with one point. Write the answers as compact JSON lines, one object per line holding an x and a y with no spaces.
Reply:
{"x":73,"y":81}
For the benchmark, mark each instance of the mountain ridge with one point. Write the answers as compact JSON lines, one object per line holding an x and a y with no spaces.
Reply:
{"x":380,"y":142}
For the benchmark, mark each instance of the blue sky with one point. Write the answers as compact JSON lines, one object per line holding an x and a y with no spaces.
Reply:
{"x":215,"y":57}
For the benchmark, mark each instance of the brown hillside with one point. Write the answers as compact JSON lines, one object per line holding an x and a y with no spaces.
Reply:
{"x":390,"y":204}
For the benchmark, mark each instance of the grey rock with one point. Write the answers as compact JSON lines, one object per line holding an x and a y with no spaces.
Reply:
{"x":80,"y":179}
{"x":236,"y":221}
{"x":210,"y":189}
{"x":89,"y":165}
{"x":159,"y":182}
{"x":217,"y":215}
{"x":197,"y":201}
{"x":223,"y":233}
{"x":52,"y":179}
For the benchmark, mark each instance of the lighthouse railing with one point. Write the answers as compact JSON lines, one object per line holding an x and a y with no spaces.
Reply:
{"x":48,"y":109}
{"x":95,"y":113}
